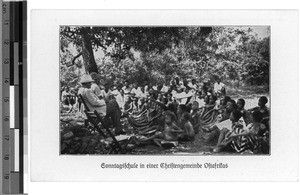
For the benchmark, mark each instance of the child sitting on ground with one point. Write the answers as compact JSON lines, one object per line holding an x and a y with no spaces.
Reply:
{"x":171,"y":131}
{"x":223,"y":103}
{"x":251,"y":137}
{"x":241,"y":107}
{"x":221,"y":122}
{"x":230,"y":106}
{"x":212,"y":101}
{"x":180,"y":110}
{"x":262,"y":101}
{"x":223,"y":139}
{"x":188,"y":134}
{"x":256,"y":127}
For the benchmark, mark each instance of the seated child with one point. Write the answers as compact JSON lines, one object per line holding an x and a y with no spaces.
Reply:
{"x":212,"y":101}
{"x":172,"y":107}
{"x":171,"y":131}
{"x":188,"y":134}
{"x":256,"y":128}
{"x":195,"y":117}
{"x":230,"y":106}
{"x":223,"y":103}
{"x":262,"y":101}
{"x":181,"y":109}
{"x":241,"y":107}
{"x":251,"y":138}
{"x":221,"y":122}
{"x":228,"y":131}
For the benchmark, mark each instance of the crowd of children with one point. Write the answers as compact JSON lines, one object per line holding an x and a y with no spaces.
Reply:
{"x":190,"y":108}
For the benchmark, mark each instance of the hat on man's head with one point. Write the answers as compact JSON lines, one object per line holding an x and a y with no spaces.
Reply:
{"x":86,"y":79}
{"x":95,"y":76}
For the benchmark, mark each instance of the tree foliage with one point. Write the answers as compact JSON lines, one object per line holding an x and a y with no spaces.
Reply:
{"x":156,"y":54}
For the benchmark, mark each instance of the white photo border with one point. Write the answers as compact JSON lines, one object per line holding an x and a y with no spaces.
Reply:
{"x":48,"y":165}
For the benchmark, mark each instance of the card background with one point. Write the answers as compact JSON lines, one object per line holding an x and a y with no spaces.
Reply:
{"x":283,"y":163}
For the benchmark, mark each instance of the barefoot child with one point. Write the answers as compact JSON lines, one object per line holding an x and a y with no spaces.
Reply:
{"x":222,"y":121}
{"x":225,"y":133}
{"x":252,"y":137}
{"x":188,"y":134}
{"x":171,"y":131}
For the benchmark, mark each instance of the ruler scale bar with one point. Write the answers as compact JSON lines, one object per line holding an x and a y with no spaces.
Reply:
{"x":14,"y":95}
{"x":5,"y":92}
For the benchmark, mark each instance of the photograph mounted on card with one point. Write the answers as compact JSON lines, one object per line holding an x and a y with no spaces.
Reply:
{"x":164,"y":90}
{"x":145,"y":92}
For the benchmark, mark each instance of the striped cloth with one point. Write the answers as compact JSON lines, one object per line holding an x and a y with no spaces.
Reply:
{"x":246,"y":142}
{"x":148,"y":118}
{"x":208,"y":116}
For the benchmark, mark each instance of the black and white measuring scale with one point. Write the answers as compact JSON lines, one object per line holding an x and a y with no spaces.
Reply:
{"x":14,"y":97}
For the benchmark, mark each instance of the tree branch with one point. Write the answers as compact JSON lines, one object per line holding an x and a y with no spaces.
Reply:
{"x":73,"y":60}
{"x":75,"y":57}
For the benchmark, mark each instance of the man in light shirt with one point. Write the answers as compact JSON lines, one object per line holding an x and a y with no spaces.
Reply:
{"x":164,"y":88}
{"x":219,"y":88}
{"x":108,"y":109}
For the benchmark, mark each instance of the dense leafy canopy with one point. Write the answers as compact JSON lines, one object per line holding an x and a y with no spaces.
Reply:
{"x":156,"y":54}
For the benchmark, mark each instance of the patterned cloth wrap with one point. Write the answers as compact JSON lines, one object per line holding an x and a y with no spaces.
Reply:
{"x":250,"y":142}
{"x":149,"y":119}
{"x":208,"y":117}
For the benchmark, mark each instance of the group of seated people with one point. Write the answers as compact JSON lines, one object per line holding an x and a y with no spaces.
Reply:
{"x":188,"y":109}
{"x":235,"y":128}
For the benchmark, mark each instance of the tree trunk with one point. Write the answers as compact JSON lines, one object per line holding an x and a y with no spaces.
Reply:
{"x":87,"y":51}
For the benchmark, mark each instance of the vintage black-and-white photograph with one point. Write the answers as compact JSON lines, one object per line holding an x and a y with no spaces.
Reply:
{"x":164,"y":90}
